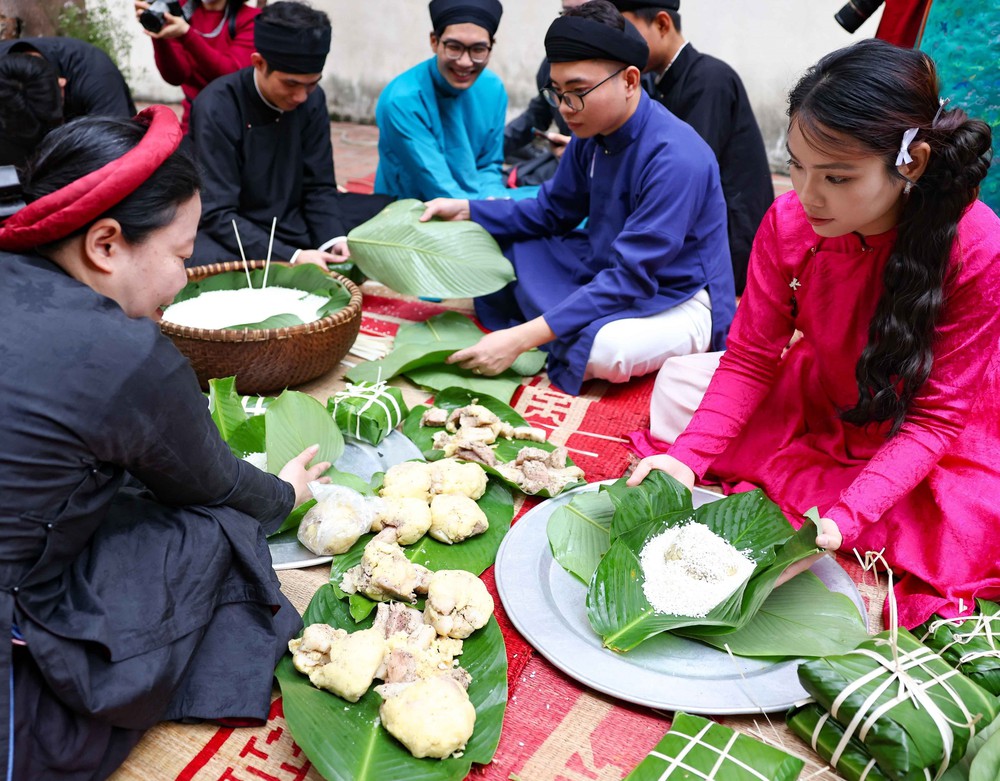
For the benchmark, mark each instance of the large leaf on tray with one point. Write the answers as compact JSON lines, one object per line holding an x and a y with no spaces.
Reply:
{"x":580,"y":533}
{"x":617,"y":606}
{"x":801,"y":618}
{"x":474,"y":555}
{"x":437,"y":378}
{"x":437,"y":258}
{"x":346,"y":741}
{"x":453,"y":398}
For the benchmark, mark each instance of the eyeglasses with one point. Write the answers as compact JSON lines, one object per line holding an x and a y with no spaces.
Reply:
{"x":478,"y":52}
{"x":573,"y":100}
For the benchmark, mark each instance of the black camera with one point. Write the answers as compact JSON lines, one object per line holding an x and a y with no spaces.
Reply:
{"x":855,"y":13}
{"x":152,"y":18}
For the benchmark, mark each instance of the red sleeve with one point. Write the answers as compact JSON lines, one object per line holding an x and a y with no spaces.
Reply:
{"x":230,"y":55}
{"x":761,"y":329}
{"x":173,"y":63}
{"x":966,"y":340}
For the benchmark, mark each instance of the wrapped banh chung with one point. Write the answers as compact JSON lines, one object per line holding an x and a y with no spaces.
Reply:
{"x":849,"y":758}
{"x":368,"y":412}
{"x":913,"y":712}
{"x":696,"y":748}
{"x":972,"y":645}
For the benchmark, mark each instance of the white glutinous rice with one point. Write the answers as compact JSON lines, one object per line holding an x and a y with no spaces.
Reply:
{"x":259,"y":460}
{"x":689,"y":569}
{"x":224,"y":308}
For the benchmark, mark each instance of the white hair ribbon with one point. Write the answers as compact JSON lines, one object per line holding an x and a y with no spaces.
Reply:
{"x":904,"y":148}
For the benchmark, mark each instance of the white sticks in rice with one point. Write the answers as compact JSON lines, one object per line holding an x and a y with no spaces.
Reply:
{"x":246,"y":266}
{"x":270,"y":244}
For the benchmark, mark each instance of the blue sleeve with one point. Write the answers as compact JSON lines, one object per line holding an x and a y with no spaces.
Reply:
{"x":490,"y":161}
{"x":671,"y":197}
{"x":419,"y":166}
{"x":562,"y":203}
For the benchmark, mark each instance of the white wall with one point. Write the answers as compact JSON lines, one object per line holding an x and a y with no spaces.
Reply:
{"x":769,"y":43}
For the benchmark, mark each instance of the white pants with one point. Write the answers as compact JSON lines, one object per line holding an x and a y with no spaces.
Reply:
{"x":679,"y":389}
{"x":639,"y":345}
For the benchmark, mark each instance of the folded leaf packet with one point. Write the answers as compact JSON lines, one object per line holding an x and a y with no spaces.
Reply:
{"x":914,"y":713}
{"x":972,"y":645}
{"x":825,"y":735}
{"x":368,"y":411}
{"x":696,"y":748}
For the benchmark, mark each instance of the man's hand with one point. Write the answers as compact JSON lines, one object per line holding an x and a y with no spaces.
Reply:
{"x":557,"y":143}
{"x":492,"y":354}
{"x":450,"y":209}
{"x":496,"y":352}
{"x":673,"y":467}
{"x":319,"y":257}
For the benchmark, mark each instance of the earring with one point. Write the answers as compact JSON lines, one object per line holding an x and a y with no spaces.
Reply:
{"x":907,"y":187}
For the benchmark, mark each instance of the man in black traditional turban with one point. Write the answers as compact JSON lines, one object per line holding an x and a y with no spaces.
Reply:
{"x":650,"y":278}
{"x":708,"y":94}
{"x":442,"y":121}
{"x":263,"y":140}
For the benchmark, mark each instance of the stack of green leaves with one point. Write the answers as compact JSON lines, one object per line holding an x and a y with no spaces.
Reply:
{"x":436,"y":259}
{"x":597,"y":537}
{"x":307,"y":278}
{"x":972,"y":644}
{"x":913,"y":712}
{"x":368,"y":411}
{"x":696,"y":748}
{"x":346,"y":741}
{"x":452,"y":399}
{"x":420,"y":350}
{"x":291,"y":423}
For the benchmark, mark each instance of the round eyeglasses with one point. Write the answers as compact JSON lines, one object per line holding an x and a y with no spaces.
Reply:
{"x":573,"y":100}
{"x":478,"y":52}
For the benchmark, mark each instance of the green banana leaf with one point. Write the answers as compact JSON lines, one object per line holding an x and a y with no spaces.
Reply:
{"x":275,"y":321}
{"x":226,"y":409}
{"x":580,"y":533}
{"x":967,"y":645}
{"x":420,"y":350}
{"x":437,"y":378}
{"x":474,"y":555}
{"x":800,"y":619}
{"x":307,"y":278}
{"x":346,"y":742}
{"x":696,"y":748}
{"x":986,"y":764}
{"x":617,"y":607}
{"x":657,"y":496}
{"x":506,"y":449}
{"x":436,"y":258}
{"x":904,"y":739}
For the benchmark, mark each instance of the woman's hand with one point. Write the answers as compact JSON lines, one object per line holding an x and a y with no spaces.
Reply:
{"x":173,"y":26}
{"x":828,"y":537}
{"x":450,"y":209}
{"x":678,"y":470}
{"x":299,"y":474}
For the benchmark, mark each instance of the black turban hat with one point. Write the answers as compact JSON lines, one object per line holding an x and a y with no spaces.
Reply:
{"x":485,"y":13}
{"x":574,"y":38}
{"x":291,"y":50}
{"x":635,"y":5}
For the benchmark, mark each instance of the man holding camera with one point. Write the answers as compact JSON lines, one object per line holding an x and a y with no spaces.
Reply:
{"x":262,"y":136}
{"x":92,"y":85}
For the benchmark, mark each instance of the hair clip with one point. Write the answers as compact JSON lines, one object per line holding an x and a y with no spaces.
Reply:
{"x":904,"y":148}
{"x":942,"y":102}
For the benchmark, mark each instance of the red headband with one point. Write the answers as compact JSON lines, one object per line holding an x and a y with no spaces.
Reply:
{"x":59,"y":214}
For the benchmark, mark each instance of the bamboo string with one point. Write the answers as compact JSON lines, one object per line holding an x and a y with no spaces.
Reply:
{"x":246,"y":266}
{"x":270,"y":245}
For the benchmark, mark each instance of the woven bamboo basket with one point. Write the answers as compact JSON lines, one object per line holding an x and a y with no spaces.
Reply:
{"x":267,"y":360}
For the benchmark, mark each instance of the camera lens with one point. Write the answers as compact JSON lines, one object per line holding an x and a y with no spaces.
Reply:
{"x":151,"y":20}
{"x":855,"y":13}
